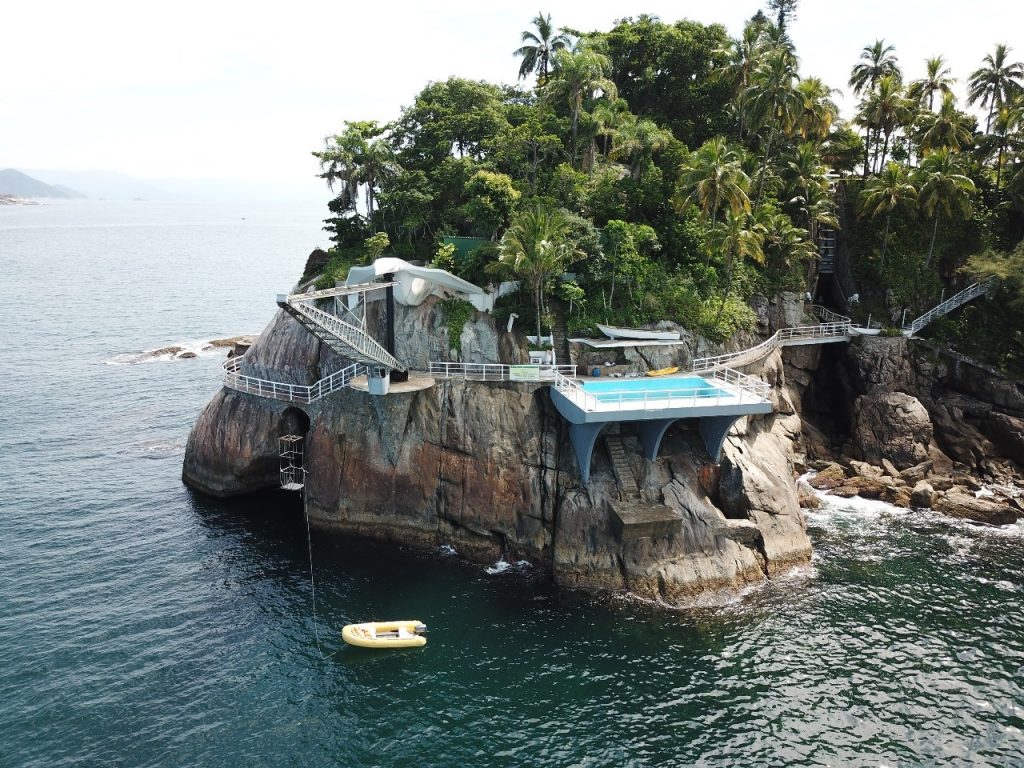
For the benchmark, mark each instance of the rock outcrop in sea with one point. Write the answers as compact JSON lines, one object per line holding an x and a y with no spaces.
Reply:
{"x":488,"y":468}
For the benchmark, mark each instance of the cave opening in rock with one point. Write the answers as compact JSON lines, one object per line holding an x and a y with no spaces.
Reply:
{"x":294,"y":421}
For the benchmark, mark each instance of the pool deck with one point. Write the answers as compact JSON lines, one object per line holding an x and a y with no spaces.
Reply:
{"x":655,"y":411}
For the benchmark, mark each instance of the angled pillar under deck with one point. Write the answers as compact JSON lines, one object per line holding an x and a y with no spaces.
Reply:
{"x":583,"y":437}
{"x":714,"y":429}
{"x":651,"y":434}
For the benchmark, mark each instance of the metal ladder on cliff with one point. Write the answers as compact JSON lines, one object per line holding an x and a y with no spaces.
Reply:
{"x":345,"y":338}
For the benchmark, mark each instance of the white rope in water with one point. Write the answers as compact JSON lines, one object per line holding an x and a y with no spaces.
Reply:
{"x":312,"y":582}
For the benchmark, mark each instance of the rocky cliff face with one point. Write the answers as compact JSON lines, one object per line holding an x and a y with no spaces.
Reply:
{"x":923,"y":430}
{"x":488,"y":468}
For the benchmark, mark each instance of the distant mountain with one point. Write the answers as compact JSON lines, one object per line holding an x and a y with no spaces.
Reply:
{"x":16,"y":183}
{"x":104,"y":185}
{"x":108,"y":185}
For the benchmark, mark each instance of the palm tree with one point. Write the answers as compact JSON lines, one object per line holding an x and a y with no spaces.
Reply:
{"x":937,"y":80}
{"x":536,"y":248}
{"x":943,"y":188}
{"x":877,"y":61}
{"x":539,"y":49}
{"x":742,"y":56}
{"x":734,"y":237}
{"x":357,"y":156}
{"x":774,"y":103}
{"x":808,"y":186}
{"x":949,"y":128}
{"x":713,"y":178}
{"x":817,"y":110}
{"x":581,"y":79}
{"x":1008,"y":124}
{"x":891,"y":189}
{"x":886,"y":109}
{"x":639,"y":141}
{"x":995,"y":82}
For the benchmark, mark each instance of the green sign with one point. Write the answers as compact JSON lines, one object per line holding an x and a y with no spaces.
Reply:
{"x":523,"y":373}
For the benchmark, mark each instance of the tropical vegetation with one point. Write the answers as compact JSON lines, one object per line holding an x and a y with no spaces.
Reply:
{"x":665,"y":171}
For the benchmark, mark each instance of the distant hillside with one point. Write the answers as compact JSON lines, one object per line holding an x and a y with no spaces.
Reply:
{"x":104,"y":185}
{"x":18,"y":184}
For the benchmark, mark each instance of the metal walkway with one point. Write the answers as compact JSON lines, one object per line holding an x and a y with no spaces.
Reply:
{"x":955,"y":301}
{"x":345,"y":338}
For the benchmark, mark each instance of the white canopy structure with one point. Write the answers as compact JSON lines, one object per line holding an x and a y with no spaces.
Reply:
{"x":413,"y":284}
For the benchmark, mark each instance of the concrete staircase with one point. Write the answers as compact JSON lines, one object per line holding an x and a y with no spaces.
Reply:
{"x":628,"y":489}
{"x":559,"y":333}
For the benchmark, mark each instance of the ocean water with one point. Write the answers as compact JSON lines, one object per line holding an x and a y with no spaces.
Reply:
{"x":144,"y":625}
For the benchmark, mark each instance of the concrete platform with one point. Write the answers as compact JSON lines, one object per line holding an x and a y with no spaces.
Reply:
{"x":640,"y":520}
{"x":415,"y":383}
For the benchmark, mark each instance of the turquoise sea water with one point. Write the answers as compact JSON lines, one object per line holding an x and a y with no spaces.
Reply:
{"x":144,"y":625}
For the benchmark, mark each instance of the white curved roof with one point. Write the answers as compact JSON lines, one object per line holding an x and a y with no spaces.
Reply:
{"x":414,"y":283}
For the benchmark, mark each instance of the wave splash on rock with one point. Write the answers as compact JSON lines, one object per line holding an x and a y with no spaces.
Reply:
{"x":186,"y":350}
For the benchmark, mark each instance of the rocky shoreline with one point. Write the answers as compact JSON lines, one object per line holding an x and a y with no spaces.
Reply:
{"x":487,"y":467}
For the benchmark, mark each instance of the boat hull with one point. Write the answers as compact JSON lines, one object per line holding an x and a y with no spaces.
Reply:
{"x":664,"y":371}
{"x":384,"y":634}
{"x":638,"y":334}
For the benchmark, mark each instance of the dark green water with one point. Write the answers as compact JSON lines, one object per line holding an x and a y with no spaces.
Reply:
{"x":142,"y":625}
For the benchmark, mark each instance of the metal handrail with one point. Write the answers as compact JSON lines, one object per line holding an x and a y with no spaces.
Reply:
{"x":279,"y":390}
{"x":953,"y":302}
{"x":773,"y":342}
{"x":828,"y":316}
{"x":366,"y":348}
{"x":496,"y":371}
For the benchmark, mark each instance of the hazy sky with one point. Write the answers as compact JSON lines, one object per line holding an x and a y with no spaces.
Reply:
{"x":246,"y":91}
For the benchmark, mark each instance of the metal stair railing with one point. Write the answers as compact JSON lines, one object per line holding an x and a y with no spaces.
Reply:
{"x":278,"y":390}
{"x":343,"y":338}
{"x":780,"y":338}
{"x":953,"y":302}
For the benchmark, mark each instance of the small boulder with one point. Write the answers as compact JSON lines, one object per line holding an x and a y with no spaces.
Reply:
{"x":958,"y":502}
{"x":863,"y":469}
{"x":890,"y":468}
{"x":917,"y":473}
{"x":865,"y":487}
{"x":832,"y":476}
{"x":1007,"y":432}
{"x":807,"y":499}
{"x":923,"y":495}
{"x":898,"y":497}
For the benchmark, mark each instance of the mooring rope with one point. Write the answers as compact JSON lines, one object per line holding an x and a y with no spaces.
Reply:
{"x":312,"y":581}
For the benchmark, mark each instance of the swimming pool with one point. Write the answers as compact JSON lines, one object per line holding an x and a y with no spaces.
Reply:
{"x":625,"y":390}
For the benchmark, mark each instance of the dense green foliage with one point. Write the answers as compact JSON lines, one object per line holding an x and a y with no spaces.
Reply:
{"x":665,"y":171}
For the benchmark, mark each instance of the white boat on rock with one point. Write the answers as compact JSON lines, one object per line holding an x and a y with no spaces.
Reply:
{"x":637,"y":333}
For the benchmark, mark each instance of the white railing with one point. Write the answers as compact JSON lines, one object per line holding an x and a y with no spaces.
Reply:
{"x":722,"y":387}
{"x":828,"y":316}
{"x":278,"y":390}
{"x":780,"y":338}
{"x":954,"y":301}
{"x":499,"y":371}
{"x":575,"y":392}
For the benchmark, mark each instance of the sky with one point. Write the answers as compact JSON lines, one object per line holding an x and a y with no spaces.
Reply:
{"x":246,"y":91}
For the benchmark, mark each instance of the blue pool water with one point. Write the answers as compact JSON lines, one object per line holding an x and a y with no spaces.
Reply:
{"x":638,"y":389}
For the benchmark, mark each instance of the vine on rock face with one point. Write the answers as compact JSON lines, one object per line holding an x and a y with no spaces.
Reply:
{"x":456,"y":313}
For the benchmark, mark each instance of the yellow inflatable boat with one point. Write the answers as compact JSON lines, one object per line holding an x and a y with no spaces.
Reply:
{"x":663,"y":371}
{"x":385,"y":634}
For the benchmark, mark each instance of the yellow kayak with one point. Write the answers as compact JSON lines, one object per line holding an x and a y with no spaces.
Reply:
{"x":385,"y":634}
{"x":663,"y":371}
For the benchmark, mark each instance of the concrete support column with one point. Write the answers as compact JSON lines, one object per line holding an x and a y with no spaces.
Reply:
{"x":583,"y":437}
{"x":651,"y":434}
{"x":714,"y":430}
